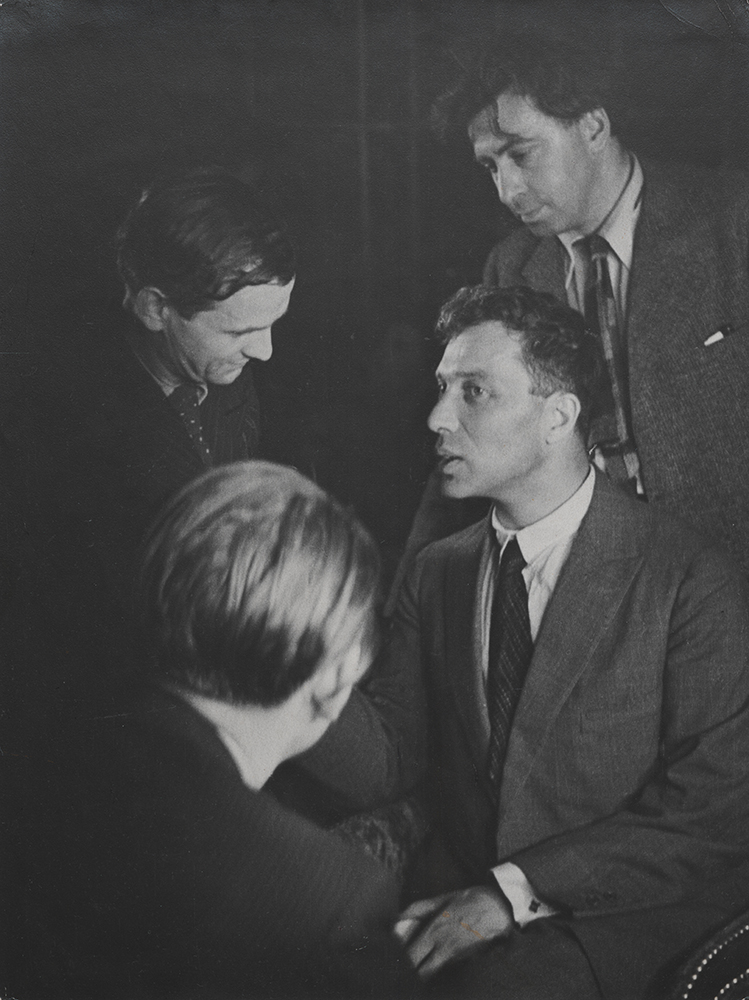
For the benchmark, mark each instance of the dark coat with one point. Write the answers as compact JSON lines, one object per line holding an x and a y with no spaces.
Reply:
{"x":96,"y":450}
{"x":163,"y":874}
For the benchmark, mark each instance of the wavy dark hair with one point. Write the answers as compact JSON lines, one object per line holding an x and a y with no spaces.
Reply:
{"x":199,"y":237}
{"x":563,"y":80}
{"x":561,"y":355}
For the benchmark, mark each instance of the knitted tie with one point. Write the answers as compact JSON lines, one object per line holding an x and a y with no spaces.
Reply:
{"x":510,"y":651}
{"x":184,"y":399}
{"x":610,"y":430}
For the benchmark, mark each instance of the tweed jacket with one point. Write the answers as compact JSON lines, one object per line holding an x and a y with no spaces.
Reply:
{"x":688,"y":383}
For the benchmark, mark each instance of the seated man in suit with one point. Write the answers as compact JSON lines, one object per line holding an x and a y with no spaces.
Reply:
{"x":585,"y":663}
{"x":659,"y":252}
{"x":167,"y":870}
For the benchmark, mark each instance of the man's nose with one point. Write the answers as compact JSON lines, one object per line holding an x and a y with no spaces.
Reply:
{"x":508,"y":182}
{"x":442,"y":418}
{"x":259,"y":345}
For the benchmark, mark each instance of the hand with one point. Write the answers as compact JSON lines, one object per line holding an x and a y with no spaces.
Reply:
{"x":450,"y":927}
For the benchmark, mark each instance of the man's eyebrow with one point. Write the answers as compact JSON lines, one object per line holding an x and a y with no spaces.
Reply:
{"x":510,"y":141}
{"x":459,"y":374}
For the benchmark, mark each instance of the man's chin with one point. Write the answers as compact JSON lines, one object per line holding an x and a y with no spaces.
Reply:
{"x":453,"y":489}
{"x":227,"y":377}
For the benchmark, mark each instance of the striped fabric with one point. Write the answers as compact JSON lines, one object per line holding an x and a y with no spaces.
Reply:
{"x":610,"y":431}
{"x":510,"y":652}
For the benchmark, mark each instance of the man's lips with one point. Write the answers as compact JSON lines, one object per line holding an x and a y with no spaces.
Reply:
{"x":527,"y":217}
{"x":445,"y":459}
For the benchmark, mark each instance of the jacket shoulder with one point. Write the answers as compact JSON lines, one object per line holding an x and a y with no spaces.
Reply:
{"x":506,"y":260}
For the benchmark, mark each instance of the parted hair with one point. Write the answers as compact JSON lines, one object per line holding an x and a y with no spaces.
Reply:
{"x":562,"y":79}
{"x":561,"y":355}
{"x":199,"y":237}
{"x":251,"y":577}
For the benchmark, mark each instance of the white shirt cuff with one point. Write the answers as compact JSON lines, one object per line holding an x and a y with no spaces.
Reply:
{"x":526,"y":906}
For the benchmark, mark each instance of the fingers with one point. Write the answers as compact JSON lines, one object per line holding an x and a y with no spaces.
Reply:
{"x":405,"y":929}
{"x":443,"y":940}
{"x":461,"y":923}
{"x":424,"y":907}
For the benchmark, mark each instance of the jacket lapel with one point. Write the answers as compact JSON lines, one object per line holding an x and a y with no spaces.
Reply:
{"x":602,"y":564}
{"x":544,"y":268}
{"x":462,"y":615}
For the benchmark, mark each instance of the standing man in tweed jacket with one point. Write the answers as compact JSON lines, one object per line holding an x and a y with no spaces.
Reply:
{"x":677,"y":251}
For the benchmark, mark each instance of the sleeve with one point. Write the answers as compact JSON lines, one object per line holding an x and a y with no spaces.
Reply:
{"x":687,"y":825}
{"x":436,"y":517}
{"x":526,"y":906}
{"x":376,"y":751}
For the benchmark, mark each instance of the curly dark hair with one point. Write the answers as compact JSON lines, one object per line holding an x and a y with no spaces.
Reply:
{"x":561,"y":355}
{"x":200,"y":236}
{"x":563,"y":80}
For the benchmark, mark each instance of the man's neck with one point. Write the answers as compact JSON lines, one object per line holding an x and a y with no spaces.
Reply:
{"x":615,"y":171}
{"x":534,"y":501}
{"x":256,"y":737}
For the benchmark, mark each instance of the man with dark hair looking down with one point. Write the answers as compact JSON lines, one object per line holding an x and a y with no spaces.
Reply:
{"x":131,"y":413}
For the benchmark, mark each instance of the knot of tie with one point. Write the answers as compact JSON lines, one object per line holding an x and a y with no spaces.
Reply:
{"x":592,"y":247}
{"x":184,"y":399}
{"x":512,"y":560}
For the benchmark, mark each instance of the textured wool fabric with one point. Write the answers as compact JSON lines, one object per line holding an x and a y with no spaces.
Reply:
{"x":687,"y":343}
{"x":624,"y":784}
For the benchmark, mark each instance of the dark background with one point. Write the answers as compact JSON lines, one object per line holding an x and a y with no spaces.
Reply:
{"x":325,"y":104}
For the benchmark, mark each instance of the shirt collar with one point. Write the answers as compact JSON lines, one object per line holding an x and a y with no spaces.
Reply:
{"x":158,"y":372}
{"x":560,"y":524}
{"x":618,"y":228}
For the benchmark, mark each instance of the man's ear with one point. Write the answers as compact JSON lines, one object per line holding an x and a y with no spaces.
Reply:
{"x":330,"y":688}
{"x":151,"y":307}
{"x":596,"y":127}
{"x":564,"y":412}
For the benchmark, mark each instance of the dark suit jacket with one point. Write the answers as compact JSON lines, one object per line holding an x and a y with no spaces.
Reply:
{"x":98,"y":450}
{"x":159,"y":873}
{"x":690,"y":278}
{"x":626,"y":781}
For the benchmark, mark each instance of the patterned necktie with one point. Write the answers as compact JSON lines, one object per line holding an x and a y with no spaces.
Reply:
{"x":610,"y":432}
{"x":510,"y":652}
{"x":184,"y":399}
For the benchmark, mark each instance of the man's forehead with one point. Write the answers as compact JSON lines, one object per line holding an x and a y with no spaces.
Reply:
{"x":510,"y":117}
{"x":477,"y":347}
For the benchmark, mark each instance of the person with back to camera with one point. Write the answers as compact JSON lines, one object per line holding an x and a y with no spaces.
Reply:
{"x":169,"y":871}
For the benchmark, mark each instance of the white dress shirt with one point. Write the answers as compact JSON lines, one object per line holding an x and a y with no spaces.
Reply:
{"x":618,"y":229}
{"x":545,"y":547}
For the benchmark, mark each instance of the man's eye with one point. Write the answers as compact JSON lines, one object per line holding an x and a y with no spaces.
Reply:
{"x":441,"y":387}
{"x":518,"y":157}
{"x":472,"y":391}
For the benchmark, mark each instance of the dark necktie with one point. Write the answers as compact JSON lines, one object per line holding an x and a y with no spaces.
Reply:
{"x":510,"y":652}
{"x":610,"y":430}
{"x":184,"y":399}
